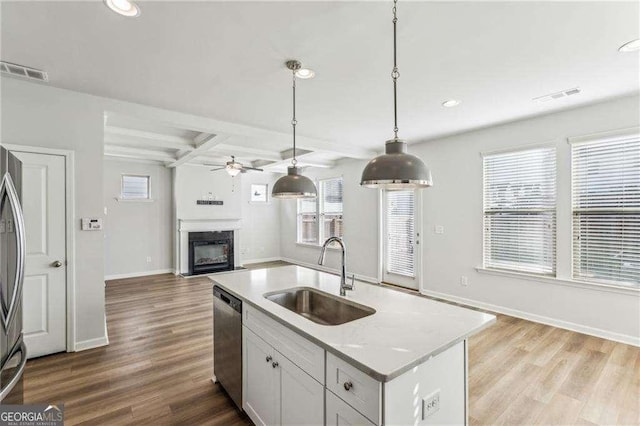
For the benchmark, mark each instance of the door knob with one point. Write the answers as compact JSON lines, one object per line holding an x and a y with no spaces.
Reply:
{"x":275,"y":364}
{"x":268,"y":358}
{"x":56,"y":264}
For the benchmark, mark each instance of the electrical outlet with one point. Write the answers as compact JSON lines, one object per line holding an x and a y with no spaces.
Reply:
{"x":148,"y":259}
{"x":431,"y":404}
{"x":464,"y":281}
{"x":438,"y":229}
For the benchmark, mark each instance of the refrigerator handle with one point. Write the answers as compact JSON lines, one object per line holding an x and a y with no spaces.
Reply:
{"x":7,"y":187}
{"x":16,"y":377}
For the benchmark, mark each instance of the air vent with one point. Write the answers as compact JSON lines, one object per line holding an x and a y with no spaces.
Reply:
{"x":22,"y":71}
{"x":557,"y":95}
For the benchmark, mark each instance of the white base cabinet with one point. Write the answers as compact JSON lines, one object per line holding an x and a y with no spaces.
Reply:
{"x":276,"y":391}
{"x":288,"y":380}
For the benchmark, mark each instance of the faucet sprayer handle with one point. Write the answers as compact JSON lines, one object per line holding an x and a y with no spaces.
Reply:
{"x":353,"y":281}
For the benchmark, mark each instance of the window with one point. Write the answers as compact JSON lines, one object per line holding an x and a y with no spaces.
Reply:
{"x":400,"y":231}
{"x":606,"y":210}
{"x":259,"y":192}
{"x":321,"y":218}
{"x":520,"y":211}
{"x":135,"y":187}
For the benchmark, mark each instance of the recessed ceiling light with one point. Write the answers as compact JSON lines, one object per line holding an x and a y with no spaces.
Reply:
{"x":451,"y":103}
{"x":305,"y":73}
{"x":630,"y":46}
{"x":123,"y":7}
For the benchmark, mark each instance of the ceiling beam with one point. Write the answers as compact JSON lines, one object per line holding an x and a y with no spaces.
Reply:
{"x":119,"y":151}
{"x":205,"y":145}
{"x":209,"y":125}
{"x":148,"y":138}
{"x":304,"y":160}
{"x":245,"y":151}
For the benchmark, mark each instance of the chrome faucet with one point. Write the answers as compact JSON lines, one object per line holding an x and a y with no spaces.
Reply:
{"x":343,"y":273}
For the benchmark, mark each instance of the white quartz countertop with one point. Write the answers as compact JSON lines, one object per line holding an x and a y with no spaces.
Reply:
{"x":405,"y":331}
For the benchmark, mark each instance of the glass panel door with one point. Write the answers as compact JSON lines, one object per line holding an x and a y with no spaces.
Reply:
{"x":401,"y":233}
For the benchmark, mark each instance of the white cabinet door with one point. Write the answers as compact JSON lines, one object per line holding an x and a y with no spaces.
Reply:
{"x":261,"y":380}
{"x":339,"y":413}
{"x":301,"y":396}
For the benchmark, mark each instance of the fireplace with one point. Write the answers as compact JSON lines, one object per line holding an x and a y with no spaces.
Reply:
{"x":210,"y":252}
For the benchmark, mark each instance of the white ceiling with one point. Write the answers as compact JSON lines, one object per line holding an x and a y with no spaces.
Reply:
{"x":224,"y":60}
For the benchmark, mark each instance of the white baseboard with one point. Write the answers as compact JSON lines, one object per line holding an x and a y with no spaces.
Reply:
{"x":139,"y":274}
{"x":330,"y":270}
{"x":263,"y":260}
{"x":91,"y":343}
{"x":592,"y":331}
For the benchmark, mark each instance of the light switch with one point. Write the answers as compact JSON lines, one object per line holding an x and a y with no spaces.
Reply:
{"x":91,"y":224}
{"x":431,"y":404}
{"x":438,"y":229}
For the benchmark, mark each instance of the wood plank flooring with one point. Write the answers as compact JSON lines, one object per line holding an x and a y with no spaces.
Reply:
{"x":157,"y":368}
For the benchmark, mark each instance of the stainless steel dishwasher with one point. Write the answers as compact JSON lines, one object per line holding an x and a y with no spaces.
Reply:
{"x":227,"y":343}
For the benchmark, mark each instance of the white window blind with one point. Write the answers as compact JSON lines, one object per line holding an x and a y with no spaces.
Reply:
{"x":400,"y":230}
{"x":331,"y":208}
{"x":520,"y":211}
{"x":134,"y":187}
{"x":307,"y":221}
{"x":606,"y":210}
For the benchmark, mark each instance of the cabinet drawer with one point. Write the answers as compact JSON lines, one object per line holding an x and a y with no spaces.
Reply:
{"x":356,"y":388}
{"x":306,"y":355}
{"x":339,"y":413}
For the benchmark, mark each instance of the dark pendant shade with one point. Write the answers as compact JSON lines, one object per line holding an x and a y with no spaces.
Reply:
{"x":294,"y":185}
{"x":396,"y":169}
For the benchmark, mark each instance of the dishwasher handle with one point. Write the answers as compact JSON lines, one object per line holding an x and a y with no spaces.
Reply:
{"x":227,"y":299}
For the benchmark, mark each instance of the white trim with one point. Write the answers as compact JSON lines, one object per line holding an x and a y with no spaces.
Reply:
{"x":609,"y":135}
{"x":70,"y":235}
{"x":332,"y":271}
{"x":592,"y":331}
{"x":91,"y":343}
{"x":138,"y":274}
{"x":134,"y":200}
{"x":610,"y":288}
{"x":244,"y":263}
{"x":318,"y":246}
{"x":525,"y":147}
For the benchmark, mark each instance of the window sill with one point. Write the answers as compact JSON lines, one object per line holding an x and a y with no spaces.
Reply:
{"x":134,"y":200}
{"x":588,"y":285}
{"x":316,"y":246}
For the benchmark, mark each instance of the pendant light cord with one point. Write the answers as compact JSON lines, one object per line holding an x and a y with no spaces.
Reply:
{"x":294,"y":121}
{"x":395,"y":74}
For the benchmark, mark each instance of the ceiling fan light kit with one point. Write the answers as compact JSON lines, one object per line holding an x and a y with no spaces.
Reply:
{"x":396,"y":168}
{"x":294,"y":184}
{"x":233,"y":168}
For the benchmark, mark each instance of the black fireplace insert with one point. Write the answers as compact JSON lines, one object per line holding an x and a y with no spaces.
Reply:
{"x":210,"y":252}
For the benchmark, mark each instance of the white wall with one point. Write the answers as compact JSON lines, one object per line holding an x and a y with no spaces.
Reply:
{"x":137,"y":230}
{"x":455,"y":202}
{"x":38,"y":115}
{"x":360,"y":225}
{"x":260,"y":235}
{"x":196,"y":182}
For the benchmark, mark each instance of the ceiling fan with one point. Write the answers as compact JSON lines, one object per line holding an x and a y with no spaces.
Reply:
{"x":233,"y":167}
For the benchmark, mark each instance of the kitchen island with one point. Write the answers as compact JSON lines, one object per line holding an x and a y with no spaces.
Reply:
{"x":403,"y":364}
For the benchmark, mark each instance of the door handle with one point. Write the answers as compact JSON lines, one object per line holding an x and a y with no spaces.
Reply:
{"x":56,"y":264}
{"x":8,"y":188}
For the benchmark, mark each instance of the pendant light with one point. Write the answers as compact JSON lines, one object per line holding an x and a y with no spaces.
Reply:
{"x":294,"y":185}
{"x":396,"y":169}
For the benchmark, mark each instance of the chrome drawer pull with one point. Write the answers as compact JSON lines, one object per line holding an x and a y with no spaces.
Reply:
{"x":348,"y":386}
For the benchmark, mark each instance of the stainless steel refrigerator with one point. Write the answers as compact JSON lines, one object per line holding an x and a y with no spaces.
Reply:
{"x":13,"y":353}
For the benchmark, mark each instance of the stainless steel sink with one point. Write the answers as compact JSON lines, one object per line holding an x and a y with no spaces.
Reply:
{"x":318,"y":306}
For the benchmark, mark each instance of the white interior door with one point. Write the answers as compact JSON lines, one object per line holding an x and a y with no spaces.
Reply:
{"x":401,"y":244}
{"x":44,"y":295}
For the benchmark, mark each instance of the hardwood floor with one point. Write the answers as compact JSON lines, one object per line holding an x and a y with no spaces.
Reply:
{"x":157,"y":368}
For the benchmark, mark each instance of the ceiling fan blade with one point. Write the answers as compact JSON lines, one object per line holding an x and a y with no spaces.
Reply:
{"x":253,"y":168}
{"x":215,"y":170}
